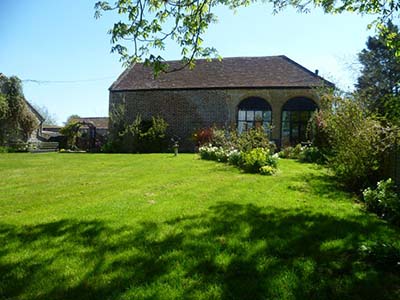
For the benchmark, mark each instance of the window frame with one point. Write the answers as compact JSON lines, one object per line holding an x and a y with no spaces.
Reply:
{"x":252,"y":105}
{"x":295,"y":108}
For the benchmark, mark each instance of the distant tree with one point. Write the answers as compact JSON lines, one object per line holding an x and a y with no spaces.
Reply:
{"x":16,"y":120}
{"x":49,"y":118}
{"x":71,"y":119}
{"x":379,"y":82}
{"x":146,"y":26}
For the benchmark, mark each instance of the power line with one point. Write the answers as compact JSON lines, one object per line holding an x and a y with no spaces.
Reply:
{"x":67,"y":81}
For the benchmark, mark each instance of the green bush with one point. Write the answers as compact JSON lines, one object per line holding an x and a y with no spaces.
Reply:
{"x":152,"y":136}
{"x":249,"y":139}
{"x":231,"y":139}
{"x":358,"y":142}
{"x":253,"y":160}
{"x":249,"y":150}
{"x":234,"y":157}
{"x":295,"y":154}
{"x":285,"y":152}
{"x":384,"y":200}
{"x":384,"y":255}
{"x":267,"y":170}
{"x":291,"y":152}
{"x":213,"y":153}
{"x":5,"y":149}
{"x":311,"y":155}
{"x":142,"y":136}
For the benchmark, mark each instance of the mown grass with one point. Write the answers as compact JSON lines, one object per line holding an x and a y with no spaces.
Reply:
{"x":81,"y":226}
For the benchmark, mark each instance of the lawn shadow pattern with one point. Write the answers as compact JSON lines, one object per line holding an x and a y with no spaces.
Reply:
{"x":232,"y":251}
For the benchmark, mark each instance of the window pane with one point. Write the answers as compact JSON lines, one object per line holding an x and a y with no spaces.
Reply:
{"x":267,"y":116}
{"x":286,"y":116}
{"x":250,"y":115}
{"x":258,"y":115}
{"x":303,"y":133}
{"x":295,"y":132}
{"x":249,"y":125}
{"x":285,"y":126}
{"x":305,"y":116}
{"x":295,"y":116}
{"x":267,"y":128}
{"x":242,"y":115}
{"x":285,"y":132}
{"x":241,"y":126}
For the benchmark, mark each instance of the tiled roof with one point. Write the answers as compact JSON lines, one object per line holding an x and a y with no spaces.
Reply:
{"x":99,"y":122}
{"x":234,"y":72}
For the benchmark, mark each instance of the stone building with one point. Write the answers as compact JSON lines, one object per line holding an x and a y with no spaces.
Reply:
{"x":36,"y":134}
{"x":241,"y":92}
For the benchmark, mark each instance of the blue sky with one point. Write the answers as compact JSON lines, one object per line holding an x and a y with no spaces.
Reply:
{"x":61,"y":41}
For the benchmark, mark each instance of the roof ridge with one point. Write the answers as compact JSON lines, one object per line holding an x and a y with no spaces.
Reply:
{"x":243,"y":71}
{"x":305,"y":69}
{"x":223,"y":58}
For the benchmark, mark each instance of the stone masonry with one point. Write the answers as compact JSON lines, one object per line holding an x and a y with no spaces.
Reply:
{"x":188,"y":110}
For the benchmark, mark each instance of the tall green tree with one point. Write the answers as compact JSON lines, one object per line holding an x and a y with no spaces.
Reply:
{"x":16,"y":120}
{"x":379,"y":83}
{"x":146,"y":25}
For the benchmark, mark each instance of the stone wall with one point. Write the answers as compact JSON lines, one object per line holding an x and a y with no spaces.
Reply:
{"x":188,"y":110}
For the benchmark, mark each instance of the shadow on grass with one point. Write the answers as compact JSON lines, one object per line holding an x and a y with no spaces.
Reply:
{"x":321,"y":185}
{"x":231,"y":252}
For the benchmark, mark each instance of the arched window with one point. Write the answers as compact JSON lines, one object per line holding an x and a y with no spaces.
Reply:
{"x":295,"y":116}
{"x":254,"y":112}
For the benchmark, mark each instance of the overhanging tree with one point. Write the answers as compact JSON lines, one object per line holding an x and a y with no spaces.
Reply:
{"x":147,"y":25}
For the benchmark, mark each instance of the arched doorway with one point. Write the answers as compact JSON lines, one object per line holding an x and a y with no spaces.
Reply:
{"x":254,"y":112}
{"x":295,"y":116}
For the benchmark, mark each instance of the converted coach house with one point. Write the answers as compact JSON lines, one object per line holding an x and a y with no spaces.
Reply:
{"x":240,"y":92}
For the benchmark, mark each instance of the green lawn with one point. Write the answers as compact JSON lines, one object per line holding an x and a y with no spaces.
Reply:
{"x":82,"y":226}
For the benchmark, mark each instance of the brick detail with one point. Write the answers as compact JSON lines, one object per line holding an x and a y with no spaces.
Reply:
{"x":188,"y":110}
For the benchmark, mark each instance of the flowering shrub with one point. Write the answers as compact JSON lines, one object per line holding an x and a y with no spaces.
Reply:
{"x":203,"y":136}
{"x":253,"y":160}
{"x":249,"y":150}
{"x":384,"y":200}
{"x":234,"y":157}
{"x":213,"y":153}
{"x":250,"y":139}
{"x":267,"y":170}
{"x":207,"y":152}
{"x":232,"y":139}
